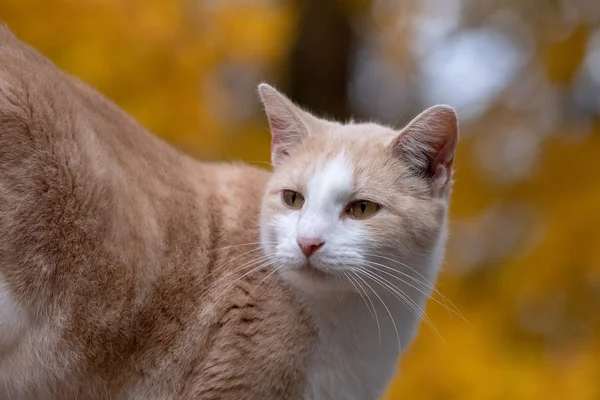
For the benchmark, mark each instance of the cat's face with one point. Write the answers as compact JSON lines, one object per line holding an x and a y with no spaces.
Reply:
{"x":346,"y":200}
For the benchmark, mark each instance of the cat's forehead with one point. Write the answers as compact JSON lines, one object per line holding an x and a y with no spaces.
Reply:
{"x":357,"y":133}
{"x":341,"y":157}
{"x":355,"y":141}
{"x":360,"y":143}
{"x":332,"y":179}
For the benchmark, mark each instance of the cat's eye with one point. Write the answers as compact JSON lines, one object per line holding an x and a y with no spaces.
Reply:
{"x":362,"y":209}
{"x":292,"y":199}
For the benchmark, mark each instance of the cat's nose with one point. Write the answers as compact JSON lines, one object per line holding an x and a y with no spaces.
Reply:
{"x":309,"y":245}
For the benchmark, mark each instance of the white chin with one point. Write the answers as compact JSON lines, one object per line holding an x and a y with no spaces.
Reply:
{"x":312,"y":281}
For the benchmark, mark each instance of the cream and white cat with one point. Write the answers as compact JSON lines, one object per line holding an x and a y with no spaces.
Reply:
{"x":355,"y":216}
{"x":130,"y":271}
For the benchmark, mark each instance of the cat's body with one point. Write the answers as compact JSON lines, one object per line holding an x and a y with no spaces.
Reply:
{"x":129,"y":271}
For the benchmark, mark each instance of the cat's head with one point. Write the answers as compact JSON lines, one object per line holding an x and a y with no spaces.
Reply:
{"x":355,"y":202}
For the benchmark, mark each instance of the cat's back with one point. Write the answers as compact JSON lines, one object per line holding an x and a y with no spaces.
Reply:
{"x":75,"y":171}
{"x":115,"y":251}
{"x":94,"y":212}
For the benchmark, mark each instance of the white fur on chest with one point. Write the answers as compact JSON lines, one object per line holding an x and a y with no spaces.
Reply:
{"x":13,"y":319}
{"x":350,"y":362}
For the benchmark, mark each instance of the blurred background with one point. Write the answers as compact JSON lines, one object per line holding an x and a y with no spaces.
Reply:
{"x":523,"y":263}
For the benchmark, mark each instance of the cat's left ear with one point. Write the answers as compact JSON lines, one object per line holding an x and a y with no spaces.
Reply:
{"x":289,"y":123}
{"x":428,"y":144}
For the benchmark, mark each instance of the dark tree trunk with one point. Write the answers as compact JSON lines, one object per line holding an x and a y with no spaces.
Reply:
{"x":320,"y":59}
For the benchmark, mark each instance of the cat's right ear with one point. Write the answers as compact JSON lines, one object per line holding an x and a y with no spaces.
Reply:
{"x":428,"y":144}
{"x":288,"y":123}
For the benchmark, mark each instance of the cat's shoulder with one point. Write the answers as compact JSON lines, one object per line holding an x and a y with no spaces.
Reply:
{"x":239,"y":175}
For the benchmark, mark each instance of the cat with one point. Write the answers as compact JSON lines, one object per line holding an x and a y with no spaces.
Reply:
{"x":131,"y":271}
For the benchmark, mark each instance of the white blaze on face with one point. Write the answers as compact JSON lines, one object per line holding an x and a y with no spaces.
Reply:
{"x":327,"y":193}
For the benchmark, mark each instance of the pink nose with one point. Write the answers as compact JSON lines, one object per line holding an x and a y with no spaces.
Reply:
{"x":310,"y":245}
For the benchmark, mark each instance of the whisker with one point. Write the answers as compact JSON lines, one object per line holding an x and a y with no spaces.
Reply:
{"x":388,"y":311}
{"x":245,"y":275}
{"x":443,"y":304}
{"x":358,"y":287}
{"x":430,"y":286}
{"x":218,"y":268}
{"x":247,"y":264}
{"x":265,"y":278}
{"x":398,"y":293}
{"x":389,"y":285}
{"x":259,"y":162}
{"x":240,"y":245}
{"x":250,"y":264}
{"x":425,"y":281}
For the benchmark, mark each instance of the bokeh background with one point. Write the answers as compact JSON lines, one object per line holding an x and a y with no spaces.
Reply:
{"x":524,"y":258}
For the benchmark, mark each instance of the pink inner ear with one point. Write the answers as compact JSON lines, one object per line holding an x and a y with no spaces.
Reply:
{"x":428,"y":144}
{"x":442,"y":164}
{"x":441,"y":171}
{"x":278,"y":125}
{"x":279,"y":148}
{"x":279,"y":145}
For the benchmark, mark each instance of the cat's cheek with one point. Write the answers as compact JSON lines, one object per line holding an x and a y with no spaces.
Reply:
{"x":270,"y":221}
{"x":285,"y":226}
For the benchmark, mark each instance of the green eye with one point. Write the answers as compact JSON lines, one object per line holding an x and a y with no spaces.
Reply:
{"x":362,"y":209}
{"x":292,"y":199}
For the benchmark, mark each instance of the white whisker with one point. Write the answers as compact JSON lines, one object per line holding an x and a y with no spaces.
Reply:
{"x":387,"y":309}
{"x":360,"y":291}
{"x":245,"y":275}
{"x":236,"y":258}
{"x":247,"y":264}
{"x":381,"y":267}
{"x":240,"y":245}
{"x":266,"y":277}
{"x":429,"y":285}
{"x":402,"y":296}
